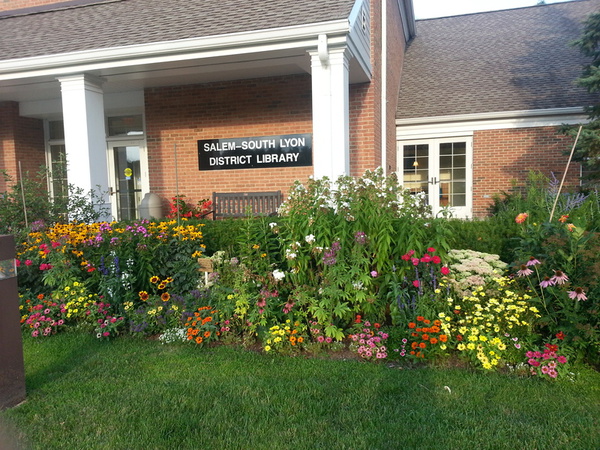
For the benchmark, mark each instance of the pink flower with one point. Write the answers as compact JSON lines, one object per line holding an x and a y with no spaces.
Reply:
{"x":562,"y":359}
{"x":529,"y":354}
{"x":532,"y":261}
{"x":106,"y":334}
{"x":545,"y":369}
{"x":320,"y":339}
{"x":328,"y":340}
{"x":415,"y":261}
{"x":547,"y":281}
{"x":416,"y":283}
{"x":18,"y":262}
{"x":436,"y":259}
{"x":552,"y":373}
{"x":445,"y":270}
{"x":374,"y":273}
{"x":560,"y":277}
{"x":28,"y":262}
{"x":577,"y":294}
{"x":431,"y":250}
{"x":426,"y":258}
{"x":533,"y":362}
{"x":521,"y":217}
{"x":524,"y":271}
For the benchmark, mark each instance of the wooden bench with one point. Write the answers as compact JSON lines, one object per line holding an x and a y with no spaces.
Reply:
{"x":242,"y":204}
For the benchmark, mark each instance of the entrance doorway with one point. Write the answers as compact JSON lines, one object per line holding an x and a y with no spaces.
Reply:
{"x":442,"y":169}
{"x":126,"y":175}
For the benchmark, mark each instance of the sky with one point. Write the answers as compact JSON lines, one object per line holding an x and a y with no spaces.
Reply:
{"x":425,"y":9}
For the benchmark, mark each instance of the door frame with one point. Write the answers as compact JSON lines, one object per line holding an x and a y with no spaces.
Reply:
{"x":145,"y":181}
{"x":463,"y":212}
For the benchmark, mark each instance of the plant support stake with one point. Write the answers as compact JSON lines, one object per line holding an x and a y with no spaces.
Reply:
{"x":23,"y":195}
{"x":565,"y":174}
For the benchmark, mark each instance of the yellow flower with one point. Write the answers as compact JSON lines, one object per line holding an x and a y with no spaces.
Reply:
{"x":461,"y":347}
{"x":267,"y":348}
{"x":471,"y":346}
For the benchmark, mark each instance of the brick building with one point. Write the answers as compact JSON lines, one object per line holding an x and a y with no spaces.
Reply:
{"x":172,"y":96}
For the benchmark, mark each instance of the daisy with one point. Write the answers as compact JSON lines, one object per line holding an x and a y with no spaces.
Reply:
{"x":532,"y":261}
{"x":547,"y":281}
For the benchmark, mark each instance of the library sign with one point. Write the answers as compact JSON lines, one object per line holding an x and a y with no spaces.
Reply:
{"x":289,"y":150}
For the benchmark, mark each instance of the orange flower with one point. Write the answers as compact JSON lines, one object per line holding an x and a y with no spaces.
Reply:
{"x":414,"y":334}
{"x":412,"y":325}
{"x":435,"y":329}
{"x":433,"y":341}
{"x":420,"y":318}
{"x":190,"y":330}
{"x":154,"y":279}
{"x":422,"y":345}
{"x":195,"y":332}
{"x":425,"y":337}
{"x":427,"y":321}
{"x":143,"y":296}
{"x":40,"y":296}
{"x":412,"y":352}
{"x":194,"y":323}
{"x":198,"y":340}
{"x":165,"y":296}
{"x":414,"y":345}
{"x":418,"y":330}
{"x":292,"y":339}
{"x":300,"y":339}
{"x":443,"y":338}
{"x":521,"y":217}
{"x":437,"y":323}
{"x":207,"y":334}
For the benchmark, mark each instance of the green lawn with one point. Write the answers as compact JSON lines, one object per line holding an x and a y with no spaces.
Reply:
{"x":134,"y":394}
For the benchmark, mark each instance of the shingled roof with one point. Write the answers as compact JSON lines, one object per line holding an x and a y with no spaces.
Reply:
{"x":84,"y":25}
{"x":510,"y":60}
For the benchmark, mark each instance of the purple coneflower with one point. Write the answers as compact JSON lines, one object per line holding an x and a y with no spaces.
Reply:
{"x":532,"y":261}
{"x":577,"y":294}
{"x":547,"y":281}
{"x":560,"y":277}
{"x":525,"y":271}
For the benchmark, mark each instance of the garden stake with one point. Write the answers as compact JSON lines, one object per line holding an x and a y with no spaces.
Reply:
{"x":565,"y":173}
{"x":23,"y":195}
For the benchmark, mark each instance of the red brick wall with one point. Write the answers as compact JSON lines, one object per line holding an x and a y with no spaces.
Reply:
{"x":504,"y":157}
{"x":396,"y":46}
{"x":21,"y":140}
{"x":365,"y":107}
{"x":7,"y":5}
{"x":184,"y":114}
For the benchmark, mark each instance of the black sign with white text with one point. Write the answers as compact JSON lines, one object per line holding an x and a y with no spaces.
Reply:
{"x":289,"y":150}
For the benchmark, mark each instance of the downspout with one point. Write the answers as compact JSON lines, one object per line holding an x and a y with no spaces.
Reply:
{"x":384,"y":86}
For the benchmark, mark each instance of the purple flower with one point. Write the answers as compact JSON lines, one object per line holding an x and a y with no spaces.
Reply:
{"x":374,"y":273}
{"x":547,"y":281}
{"x":577,"y":294}
{"x":560,"y":277}
{"x":524,"y":271}
{"x":532,"y":261}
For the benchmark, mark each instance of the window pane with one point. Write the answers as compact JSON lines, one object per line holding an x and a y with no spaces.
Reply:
{"x":56,"y":130}
{"x":125,"y":126}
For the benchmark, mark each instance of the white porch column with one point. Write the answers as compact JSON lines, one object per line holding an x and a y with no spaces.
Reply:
{"x":85,"y":135}
{"x":330,"y":101}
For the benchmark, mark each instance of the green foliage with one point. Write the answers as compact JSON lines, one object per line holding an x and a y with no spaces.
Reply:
{"x":40,"y":209}
{"x":588,"y":147}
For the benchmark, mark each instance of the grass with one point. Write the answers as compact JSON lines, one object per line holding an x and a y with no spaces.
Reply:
{"x":135,"y":394}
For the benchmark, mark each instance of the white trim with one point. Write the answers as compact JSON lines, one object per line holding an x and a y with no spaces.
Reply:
{"x":286,"y":38}
{"x":466,"y":124}
{"x":384,"y":75}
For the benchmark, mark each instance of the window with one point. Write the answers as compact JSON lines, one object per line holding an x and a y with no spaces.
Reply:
{"x":57,"y":160}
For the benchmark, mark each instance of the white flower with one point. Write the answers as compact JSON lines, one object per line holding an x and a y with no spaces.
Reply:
{"x":310,"y":238}
{"x":272,"y":224}
{"x":278,"y":274}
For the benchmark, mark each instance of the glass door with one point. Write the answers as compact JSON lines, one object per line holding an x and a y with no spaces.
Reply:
{"x":126,"y":180}
{"x":440,"y":169}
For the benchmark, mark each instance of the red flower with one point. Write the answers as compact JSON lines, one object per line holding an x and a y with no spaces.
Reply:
{"x":376,"y":325}
{"x":416,"y":283}
{"x":459,"y":337}
{"x":431,"y":250}
{"x":358,"y":319}
{"x":560,"y":335}
{"x":445,"y":270}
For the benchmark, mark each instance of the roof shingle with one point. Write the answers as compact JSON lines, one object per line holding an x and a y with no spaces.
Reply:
{"x":510,"y":60}
{"x":106,"y":24}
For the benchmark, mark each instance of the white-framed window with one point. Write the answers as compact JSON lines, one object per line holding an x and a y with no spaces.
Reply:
{"x":56,"y":159}
{"x":442,"y":168}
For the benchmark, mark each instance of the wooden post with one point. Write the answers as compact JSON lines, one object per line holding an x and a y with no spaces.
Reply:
{"x":12,"y":369}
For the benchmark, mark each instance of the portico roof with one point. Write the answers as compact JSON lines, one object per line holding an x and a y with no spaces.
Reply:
{"x":135,"y":44}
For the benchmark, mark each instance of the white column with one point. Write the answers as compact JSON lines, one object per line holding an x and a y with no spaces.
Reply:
{"x":85,"y":135}
{"x":330,"y":101}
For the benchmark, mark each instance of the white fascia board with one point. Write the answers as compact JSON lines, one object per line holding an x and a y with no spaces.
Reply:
{"x":466,"y":124}
{"x":297,"y":37}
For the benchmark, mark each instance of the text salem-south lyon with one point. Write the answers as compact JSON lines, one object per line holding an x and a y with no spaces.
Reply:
{"x":255,"y":144}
